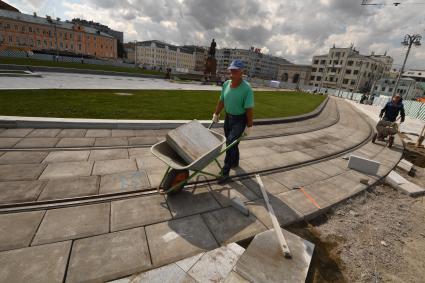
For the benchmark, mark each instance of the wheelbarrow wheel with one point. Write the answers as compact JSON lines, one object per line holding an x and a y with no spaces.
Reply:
{"x":390,"y":141}
{"x":375,"y":135}
{"x":173,"y":178}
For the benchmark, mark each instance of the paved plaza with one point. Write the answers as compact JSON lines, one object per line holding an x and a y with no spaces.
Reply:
{"x":51,"y":80}
{"x":106,"y":238}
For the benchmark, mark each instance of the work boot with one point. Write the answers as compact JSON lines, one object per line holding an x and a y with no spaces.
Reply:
{"x":223,"y":180}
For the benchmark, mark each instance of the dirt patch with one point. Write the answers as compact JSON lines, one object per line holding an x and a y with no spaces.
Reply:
{"x":378,"y":236}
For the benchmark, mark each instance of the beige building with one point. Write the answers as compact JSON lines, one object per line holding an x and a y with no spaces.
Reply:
{"x":347,"y":69}
{"x":297,"y":74}
{"x":159,"y":55}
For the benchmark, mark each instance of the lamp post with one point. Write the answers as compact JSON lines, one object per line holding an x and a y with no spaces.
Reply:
{"x":409,"y":41}
{"x":135,"y":53}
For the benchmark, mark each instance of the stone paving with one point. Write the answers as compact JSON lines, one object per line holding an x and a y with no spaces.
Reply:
{"x":116,"y":238}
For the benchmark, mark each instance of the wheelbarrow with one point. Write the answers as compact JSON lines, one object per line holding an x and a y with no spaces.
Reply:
{"x":179,"y":173}
{"x":386,"y":129}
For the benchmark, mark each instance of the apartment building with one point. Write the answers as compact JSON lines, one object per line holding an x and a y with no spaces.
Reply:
{"x":347,"y":69}
{"x":257,"y":64}
{"x":24,"y":32}
{"x":159,"y":55}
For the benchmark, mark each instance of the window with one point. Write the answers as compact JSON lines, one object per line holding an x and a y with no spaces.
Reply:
{"x":348,"y":72}
{"x":353,"y":82}
{"x":10,"y":38}
{"x":350,"y":63}
{"x":355,"y":72}
{"x":376,"y":87}
{"x":30,"y":29}
{"x":318,"y":78}
{"x":312,"y":78}
{"x":38,"y":43}
{"x":391,"y":89}
{"x":316,"y":62}
{"x":320,"y":69}
{"x":323,"y":62}
{"x":79,"y":46}
{"x":383,"y":88}
{"x":345,"y":81}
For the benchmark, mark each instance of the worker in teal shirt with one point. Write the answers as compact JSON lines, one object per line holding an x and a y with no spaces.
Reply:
{"x":237,"y":99}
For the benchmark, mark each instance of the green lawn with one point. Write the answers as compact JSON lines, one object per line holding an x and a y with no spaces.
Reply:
{"x":144,"y":104}
{"x":35,"y":62}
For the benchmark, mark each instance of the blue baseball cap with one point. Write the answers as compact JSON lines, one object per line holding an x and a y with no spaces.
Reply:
{"x":236,"y":65}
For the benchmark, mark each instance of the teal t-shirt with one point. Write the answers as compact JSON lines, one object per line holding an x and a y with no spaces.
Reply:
{"x":236,"y":100}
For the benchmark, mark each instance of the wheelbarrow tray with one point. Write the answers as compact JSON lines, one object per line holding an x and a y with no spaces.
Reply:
{"x":165,"y":153}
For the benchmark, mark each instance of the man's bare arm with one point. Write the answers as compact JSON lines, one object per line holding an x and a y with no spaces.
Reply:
{"x":249,"y":117}
{"x":219,"y":107}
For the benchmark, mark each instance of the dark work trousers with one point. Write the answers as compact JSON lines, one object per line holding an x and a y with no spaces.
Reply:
{"x":234,"y":126}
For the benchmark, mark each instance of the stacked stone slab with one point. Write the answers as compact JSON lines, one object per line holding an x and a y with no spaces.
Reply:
{"x":192,"y":141}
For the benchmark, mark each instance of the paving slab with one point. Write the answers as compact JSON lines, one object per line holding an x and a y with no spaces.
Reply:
{"x":20,"y":172}
{"x":98,"y":133}
{"x":301,"y":203}
{"x":39,"y":264}
{"x":155,"y":177}
{"x":67,"y":170}
{"x":73,"y":223}
{"x":263,"y":260}
{"x":139,"y":211}
{"x":109,"y":256}
{"x":106,"y":167}
{"x":299,"y":177}
{"x":72,"y":133}
{"x":235,"y":278}
{"x":123,"y":182}
{"x":150,"y":163}
{"x":270,"y":184}
{"x":327,"y":191}
{"x":142,"y":151}
{"x":284,"y":214}
{"x":18,"y":229}
{"x":70,"y":188}
{"x":75,"y":142}
{"x":329,"y":168}
{"x":170,"y":273}
{"x":191,"y":202}
{"x":105,"y":154}
{"x":20,"y":191}
{"x":15,"y":133}
{"x":142,"y":140}
{"x":43,"y":133}
{"x":8,"y":142}
{"x":187,"y":263}
{"x":111,"y":141}
{"x":67,"y":156}
{"x":229,"y":225}
{"x":177,"y":239}
{"x":216,"y":265}
{"x":122,"y":133}
{"x":37,"y":142}
{"x":224,"y":194}
{"x":22,"y":157}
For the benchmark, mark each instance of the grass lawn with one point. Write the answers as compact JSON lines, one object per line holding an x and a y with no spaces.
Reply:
{"x":35,"y":62}
{"x":144,"y":104}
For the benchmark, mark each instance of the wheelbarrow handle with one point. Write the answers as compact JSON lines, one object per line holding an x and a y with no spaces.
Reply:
{"x":210,"y":126}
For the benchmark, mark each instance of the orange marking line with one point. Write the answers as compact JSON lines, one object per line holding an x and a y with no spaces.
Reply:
{"x":310,"y":198}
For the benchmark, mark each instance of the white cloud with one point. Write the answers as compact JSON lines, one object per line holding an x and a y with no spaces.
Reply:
{"x":294,"y":29}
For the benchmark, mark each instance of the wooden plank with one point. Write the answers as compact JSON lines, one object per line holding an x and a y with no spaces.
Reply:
{"x":282,"y":242}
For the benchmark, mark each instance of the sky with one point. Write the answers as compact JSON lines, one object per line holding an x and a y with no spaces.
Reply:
{"x":293,"y":29}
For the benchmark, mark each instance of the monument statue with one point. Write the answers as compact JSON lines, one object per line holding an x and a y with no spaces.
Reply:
{"x":211,"y":63}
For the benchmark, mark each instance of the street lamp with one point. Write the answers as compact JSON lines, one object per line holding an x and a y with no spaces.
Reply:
{"x":409,"y":41}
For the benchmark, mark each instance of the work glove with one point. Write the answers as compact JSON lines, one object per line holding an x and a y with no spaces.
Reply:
{"x":216,"y":118}
{"x":247,"y":131}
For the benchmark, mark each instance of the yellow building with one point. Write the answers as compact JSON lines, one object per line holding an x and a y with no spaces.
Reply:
{"x":20,"y":31}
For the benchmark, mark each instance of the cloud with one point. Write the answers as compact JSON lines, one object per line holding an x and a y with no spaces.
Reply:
{"x":293,"y":29}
